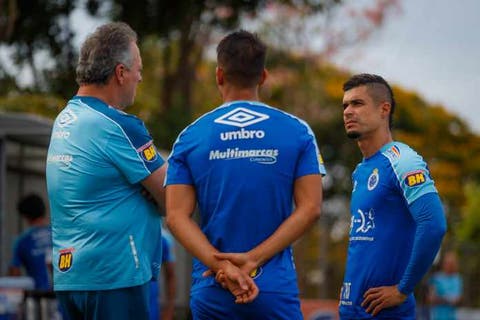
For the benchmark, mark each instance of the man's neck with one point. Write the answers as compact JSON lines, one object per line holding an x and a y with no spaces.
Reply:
{"x":370,"y":145}
{"x":104,"y":93}
{"x":235,"y":94}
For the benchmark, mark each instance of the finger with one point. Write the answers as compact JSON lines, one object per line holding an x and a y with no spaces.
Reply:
{"x":378,"y":308}
{"x":369,"y":298}
{"x":373,"y":305}
{"x":222,"y":255}
{"x":253,"y":293}
{"x":371,"y":291}
{"x":207,"y":273}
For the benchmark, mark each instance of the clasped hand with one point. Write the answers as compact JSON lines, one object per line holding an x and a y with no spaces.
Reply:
{"x":234,"y":275}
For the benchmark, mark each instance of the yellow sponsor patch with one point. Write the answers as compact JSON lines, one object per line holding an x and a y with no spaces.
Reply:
{"x":149,"y":153}
{"x":415,"y":178}
{"x":256,"y":272}
{"x":65,"y":260}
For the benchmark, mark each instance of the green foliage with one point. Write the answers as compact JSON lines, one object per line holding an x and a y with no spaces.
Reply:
{"x":41,"y":104}
{"x":30,"y":27}
{"x":467,"y":240}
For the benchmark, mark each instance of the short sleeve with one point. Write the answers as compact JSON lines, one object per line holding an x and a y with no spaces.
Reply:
{"x":16,"y":258}
{"x":310,"y":160}
{"x":130,"y":147}
{"x":178,"y":171}
{"x":411,"y":171}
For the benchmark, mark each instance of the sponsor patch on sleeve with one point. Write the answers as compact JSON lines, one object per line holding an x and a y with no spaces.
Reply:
{"x":148,"y":152}
{"x":415,"y":178}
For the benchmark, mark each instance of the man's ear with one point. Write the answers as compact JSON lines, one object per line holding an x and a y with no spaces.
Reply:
{"x":219,"y":76}
{"x":263,"y":77}
{"x":386,"y":109}
{"x":119,"y":72}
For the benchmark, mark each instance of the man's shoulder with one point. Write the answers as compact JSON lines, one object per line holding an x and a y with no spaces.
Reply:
{"x":399,"y":154}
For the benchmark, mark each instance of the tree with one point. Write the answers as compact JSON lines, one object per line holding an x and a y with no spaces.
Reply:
{"x":185,"y":30}
{"x":32,"y":27}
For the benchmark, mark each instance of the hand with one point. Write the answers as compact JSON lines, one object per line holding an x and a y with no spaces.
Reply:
{"x":376,"y":299}
{"x":241,"y":260}
{"x":239,"y":283}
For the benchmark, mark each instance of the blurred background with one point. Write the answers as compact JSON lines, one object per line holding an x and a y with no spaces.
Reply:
{"x":428,"y":50}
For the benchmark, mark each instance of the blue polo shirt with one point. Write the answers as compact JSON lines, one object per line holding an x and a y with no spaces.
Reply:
{"x":104,"y":231}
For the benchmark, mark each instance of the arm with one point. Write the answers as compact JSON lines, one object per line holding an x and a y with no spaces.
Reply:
{"x":154,"y":185}
{"x":14,"y":271}
{"x":427,"y":211}
{"x":308,"y":201}
{"x":170,"y":287}
{"x":180,"y":205}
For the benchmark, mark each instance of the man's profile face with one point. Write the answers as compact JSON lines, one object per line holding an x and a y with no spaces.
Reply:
{"x":361,"y":115}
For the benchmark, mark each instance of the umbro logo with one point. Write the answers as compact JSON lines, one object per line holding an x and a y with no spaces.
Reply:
{"x":241,"y":117}
{"x":66,"y":118}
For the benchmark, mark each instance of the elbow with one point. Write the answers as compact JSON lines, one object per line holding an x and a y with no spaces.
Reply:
{"x":438,"y":230}
{"x":169,"y":221}
{"x":315,"y":212}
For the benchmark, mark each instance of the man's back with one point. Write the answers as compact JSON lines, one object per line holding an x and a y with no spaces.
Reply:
{"x":96,"y":158}
{"x":243,"y":159}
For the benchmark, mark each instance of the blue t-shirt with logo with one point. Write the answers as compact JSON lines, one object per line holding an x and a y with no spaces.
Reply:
{"x":104,"y":230}
{"x":32,"y":250}
{"x":243,"y":159}
{"x":383,"y":227}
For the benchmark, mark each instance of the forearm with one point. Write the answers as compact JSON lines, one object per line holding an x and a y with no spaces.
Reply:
{"x":431,"y":227}
{"x":290,"y":230}
{"x":189,"y":234}
{"x":308,"y":200}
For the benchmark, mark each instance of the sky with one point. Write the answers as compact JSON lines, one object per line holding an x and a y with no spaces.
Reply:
{"x":431,"y":47}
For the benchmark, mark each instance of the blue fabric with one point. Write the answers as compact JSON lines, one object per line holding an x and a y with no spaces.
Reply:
{"x":427,"y":211}
{"x":167,"y":255}
{"x":243,"y":159}
{"x":96,"y":159}
{"x":394,"y":208}
{"x":32,"y":250}
{"x":448,"y":287}
{"x":215,"y":303}
{"x":117,"y":304}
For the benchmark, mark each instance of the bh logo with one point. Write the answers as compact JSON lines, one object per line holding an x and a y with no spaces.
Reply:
{"x":65,"y":260}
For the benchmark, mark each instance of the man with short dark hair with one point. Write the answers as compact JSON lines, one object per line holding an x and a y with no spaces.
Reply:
{"x":32,"y":249}
{"x":100,"y":162}
{"x":397,"y":221}
{"x":246,"y":164}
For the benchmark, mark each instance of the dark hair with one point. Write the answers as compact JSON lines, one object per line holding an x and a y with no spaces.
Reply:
{"x":108,"y":46}
{"x":31,"y":207}
{"x":378,"y":89}
{"x":241,"y":55}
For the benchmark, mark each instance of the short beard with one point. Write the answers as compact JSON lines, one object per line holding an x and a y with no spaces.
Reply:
{"x":353,"y":135}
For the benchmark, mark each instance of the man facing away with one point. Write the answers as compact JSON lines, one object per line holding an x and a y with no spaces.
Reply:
{"x":397,"y":222}
{"x":246,"y":164}
{"x":100,"y":161}
{"x":32,"y":249}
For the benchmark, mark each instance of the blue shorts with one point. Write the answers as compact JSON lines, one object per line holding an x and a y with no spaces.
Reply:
{"x":117,"y":304}
{"x":212,"y":303}
{"x":153,"y":300}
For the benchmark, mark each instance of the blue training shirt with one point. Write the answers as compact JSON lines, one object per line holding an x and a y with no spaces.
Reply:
{"x":104,"y":231}
{"x":393,"y":201}
{"x":243,"y":159}
{"x":32,"y":250}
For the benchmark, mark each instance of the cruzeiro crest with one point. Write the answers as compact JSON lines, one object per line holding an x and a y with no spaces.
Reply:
{"x":373,"y":180}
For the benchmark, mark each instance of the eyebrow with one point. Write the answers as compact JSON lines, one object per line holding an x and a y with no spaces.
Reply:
{"x":353,"y":101}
